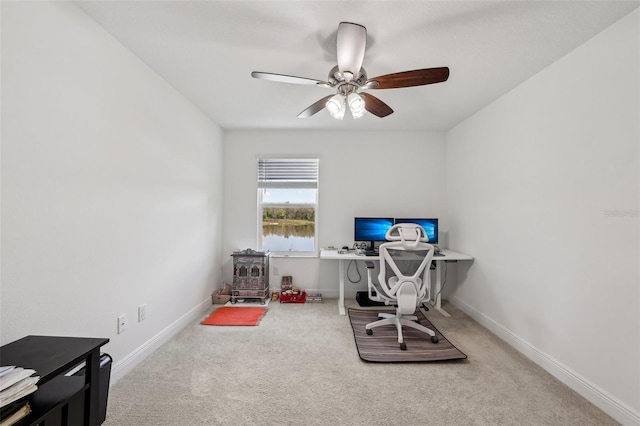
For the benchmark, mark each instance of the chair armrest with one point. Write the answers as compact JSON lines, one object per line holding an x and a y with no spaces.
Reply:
{"x":369,"y":264}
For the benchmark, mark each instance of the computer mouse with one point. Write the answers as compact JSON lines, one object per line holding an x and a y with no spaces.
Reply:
{"x":345,"y":247}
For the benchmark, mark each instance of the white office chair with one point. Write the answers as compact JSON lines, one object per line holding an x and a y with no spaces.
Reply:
{"x":404,"y":279}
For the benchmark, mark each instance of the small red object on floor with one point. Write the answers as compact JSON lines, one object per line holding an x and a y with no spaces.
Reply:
{"x":293,"y":297}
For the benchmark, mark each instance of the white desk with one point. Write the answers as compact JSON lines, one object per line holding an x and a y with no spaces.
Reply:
{"x":437,"y":260}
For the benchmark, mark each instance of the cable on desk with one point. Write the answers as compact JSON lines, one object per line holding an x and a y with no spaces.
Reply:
{"x":353,"y":262}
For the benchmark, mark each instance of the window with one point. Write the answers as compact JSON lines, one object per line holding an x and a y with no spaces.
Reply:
{"x":287,"y":205}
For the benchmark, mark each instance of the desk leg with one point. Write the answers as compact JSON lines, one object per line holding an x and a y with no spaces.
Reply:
{"x":92,"y":397}
{"x":437,"y":302}
{"x":341,"y":298}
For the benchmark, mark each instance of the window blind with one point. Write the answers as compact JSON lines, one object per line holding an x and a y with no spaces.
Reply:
{"x":288,"y":173}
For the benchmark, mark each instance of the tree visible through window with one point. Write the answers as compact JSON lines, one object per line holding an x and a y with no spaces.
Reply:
{"x":287,"y":204}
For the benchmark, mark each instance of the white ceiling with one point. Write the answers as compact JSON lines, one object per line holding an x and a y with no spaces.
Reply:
{"x":207,"y":50}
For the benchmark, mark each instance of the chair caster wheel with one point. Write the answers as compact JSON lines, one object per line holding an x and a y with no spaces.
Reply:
{"x":434,"y":339}
{"x":403,"y":346}
{"x":369,"y":332}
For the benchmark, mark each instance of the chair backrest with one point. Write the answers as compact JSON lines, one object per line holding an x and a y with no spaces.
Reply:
{"x":409,"y":233}
{"x":408,"y":257}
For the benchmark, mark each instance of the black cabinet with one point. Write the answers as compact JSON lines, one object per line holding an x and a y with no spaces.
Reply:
{"x":59,"y":400}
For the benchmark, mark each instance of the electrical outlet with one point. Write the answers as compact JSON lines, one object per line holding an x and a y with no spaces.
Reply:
{"x":276,"y":271}
{"x":122,"y":323}
{"x":142,"y":312}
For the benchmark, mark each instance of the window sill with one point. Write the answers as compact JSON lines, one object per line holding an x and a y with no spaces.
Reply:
{"x":294,"y":255}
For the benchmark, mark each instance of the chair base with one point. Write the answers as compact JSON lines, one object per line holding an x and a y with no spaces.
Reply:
{"x":400,"y":320}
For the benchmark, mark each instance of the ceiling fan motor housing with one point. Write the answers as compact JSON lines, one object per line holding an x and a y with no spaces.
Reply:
{"x":336,"y":77}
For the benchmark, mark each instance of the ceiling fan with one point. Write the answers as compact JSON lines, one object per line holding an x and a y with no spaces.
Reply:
{"x":350,"y":79}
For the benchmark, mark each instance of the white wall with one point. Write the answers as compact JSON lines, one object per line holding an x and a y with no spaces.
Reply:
{"x":352,"y":183}
{"x":543,"y":189}
{"x":111,"y":187}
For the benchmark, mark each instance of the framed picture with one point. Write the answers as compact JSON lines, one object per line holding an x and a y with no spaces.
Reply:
{"x":287,"y":282}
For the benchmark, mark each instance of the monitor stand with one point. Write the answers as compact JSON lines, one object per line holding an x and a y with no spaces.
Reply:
{"x":371,"y":251}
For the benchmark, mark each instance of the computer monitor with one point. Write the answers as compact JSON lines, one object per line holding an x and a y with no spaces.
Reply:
{"x":429,"y":225}
{"x":371,"y":229}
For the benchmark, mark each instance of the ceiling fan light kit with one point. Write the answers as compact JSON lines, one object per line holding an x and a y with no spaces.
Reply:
{"x":356,"y":105}
{"x":349,"y":79}
{"x":335,"y":106}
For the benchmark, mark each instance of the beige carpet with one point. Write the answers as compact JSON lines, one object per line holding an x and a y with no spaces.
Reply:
{"x":301,"y":367}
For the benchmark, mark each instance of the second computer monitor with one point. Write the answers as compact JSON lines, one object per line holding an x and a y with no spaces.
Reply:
{"x":371,"y":229}
{"x":429,"y":225}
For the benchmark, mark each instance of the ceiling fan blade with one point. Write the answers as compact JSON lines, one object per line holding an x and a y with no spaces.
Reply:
{"x":351,"y":43}
{"x":281,"y":78}
{"x":375,"y":106}
{"x":411,"y":78}
{"x":316,"y":107}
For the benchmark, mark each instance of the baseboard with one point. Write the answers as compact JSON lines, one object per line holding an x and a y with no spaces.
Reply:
{"x":334,"y":293}
{"x":598,"y":397}
{"x":121,"y":368}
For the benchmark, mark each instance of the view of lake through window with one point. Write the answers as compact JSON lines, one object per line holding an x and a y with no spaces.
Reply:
{"x":288,"y":235}
{"x":292,"y":233}
{"x":287,"y":223}
{"x":287,"y":205}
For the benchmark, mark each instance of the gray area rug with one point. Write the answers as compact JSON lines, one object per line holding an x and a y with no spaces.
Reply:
{"x":382,"y":345}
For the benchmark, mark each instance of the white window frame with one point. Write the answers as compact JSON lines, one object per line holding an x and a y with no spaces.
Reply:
{"x":288,"y":180}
